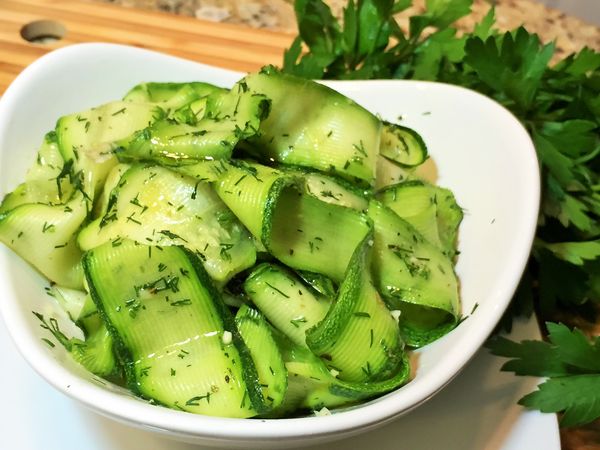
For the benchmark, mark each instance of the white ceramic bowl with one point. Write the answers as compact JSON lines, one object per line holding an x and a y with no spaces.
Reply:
{"x":482,"y":152}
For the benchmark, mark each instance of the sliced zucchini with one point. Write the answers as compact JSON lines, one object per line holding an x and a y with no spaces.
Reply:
{"x":334,"y":190}
{"x":229,"y":118}
{"x":44,"y":182}
{"x":88,"y":138}
{"x":358,"y":338}
{"x":45,"y":237}
{"x":175,"y":338}
{"x":267,"y":201}
{"x":157,"y":207}
{"x":318,"y":129}
{"x":388,"y":173}
{"x":250,"y":191}
{"x":449,"y":216}
{"x":96,"y":353}
{"x":73,"y":301}
{"x":170,"y":143}
{"x":416,"y":203}
{"x":46,"y":192}
{"x":204,"y":171}
{"x":170,"y":96}
{"x":402,"y":145}
{"x":414,"y":277}
{"x":272,"y":374}
{"x":113,"y":178}
{"x":311,"y":385}
{"x":48,"y":162}
{"x":432,"y":210}
{"x":308,"y":234}
{"x":319,"y":283}
{"x":191,"y":113}
{"x":285,"y":301}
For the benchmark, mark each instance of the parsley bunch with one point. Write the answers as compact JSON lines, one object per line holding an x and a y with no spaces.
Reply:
{"x":559,"y":104}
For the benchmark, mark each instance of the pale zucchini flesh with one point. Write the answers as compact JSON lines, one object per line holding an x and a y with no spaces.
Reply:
{"x":288,"y":304}
{"x":318,"y":129}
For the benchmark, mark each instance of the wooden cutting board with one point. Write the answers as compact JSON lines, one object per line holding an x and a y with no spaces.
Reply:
{"x":230,"y":46}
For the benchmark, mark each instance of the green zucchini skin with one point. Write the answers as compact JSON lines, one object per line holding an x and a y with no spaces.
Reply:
{"x":318,"y":129}
{"x":169,"y":326}
{"x":270,"y":368}
{"x":414,"y":277}
{"x":402,"y":145}
{"x":358,"y":337}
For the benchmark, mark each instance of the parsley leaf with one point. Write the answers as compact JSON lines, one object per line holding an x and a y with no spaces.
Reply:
{"x":578,"y":396}
{"x":575,"y":252}
{"x":571,"y":359}
{"x":511,"y":65}
{"x":535,"y":358}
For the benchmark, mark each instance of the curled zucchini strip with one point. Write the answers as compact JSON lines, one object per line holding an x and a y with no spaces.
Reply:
{"x":170,"y":96}
{"x":358,"y":338}
{"x":297,"y":228}
{"x":45,"y":237}
{"x":270,"y":368}
{"x":307,"y":234}
{"x":251,"y":190}
{"x":95,"y":351}
{"x":311,"y":385}
{"x":158,"y":207}
{"x":414,"y":277}
{"x":228,"y":118}
{"x":45,"y":181}
{"x":332,"y":189}
{"x":432,"y":210}
{"x":87,"y":140}
{"x":175,"y":338}
{"x":318,"y":130}
{"x":402,"y":145}
{"x":288,"y":304}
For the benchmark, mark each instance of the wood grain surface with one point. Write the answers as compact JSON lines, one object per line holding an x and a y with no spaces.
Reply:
{"x":224,"y":45}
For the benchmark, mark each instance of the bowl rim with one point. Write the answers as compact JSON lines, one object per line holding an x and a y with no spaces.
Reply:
{"x":365,"y":416}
